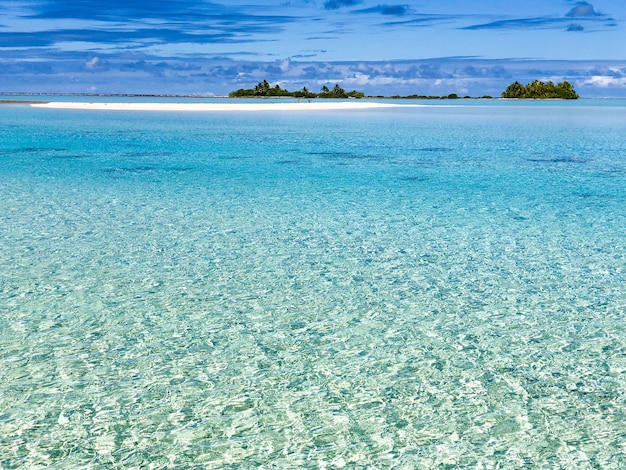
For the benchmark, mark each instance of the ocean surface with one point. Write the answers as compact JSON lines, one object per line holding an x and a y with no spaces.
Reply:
{"x":416,"y":287}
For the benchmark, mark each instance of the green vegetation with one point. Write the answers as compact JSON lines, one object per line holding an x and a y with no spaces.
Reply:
{"x":264,"y":89}
{"x":451,"y":96}
{"x":541,"y":91}
{"x":534,"y":90}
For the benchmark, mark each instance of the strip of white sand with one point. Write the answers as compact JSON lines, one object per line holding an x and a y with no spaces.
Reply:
{"x":290,"y":106}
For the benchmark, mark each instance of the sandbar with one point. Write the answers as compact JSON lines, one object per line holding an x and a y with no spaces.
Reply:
{"x":274,"y":106}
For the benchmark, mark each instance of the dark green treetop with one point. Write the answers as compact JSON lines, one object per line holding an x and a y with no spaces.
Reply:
{"x":264,"y":89}
{"x":540,"y":90}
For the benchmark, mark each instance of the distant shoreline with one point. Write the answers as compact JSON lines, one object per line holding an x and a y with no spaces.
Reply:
{"x":31,"y":102}
{"x":113,"y":95}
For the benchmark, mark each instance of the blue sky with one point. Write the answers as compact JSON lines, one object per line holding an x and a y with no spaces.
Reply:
{"x":405,"y":47}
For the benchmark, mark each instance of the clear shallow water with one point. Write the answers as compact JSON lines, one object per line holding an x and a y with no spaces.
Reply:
{"x":433,"y":287}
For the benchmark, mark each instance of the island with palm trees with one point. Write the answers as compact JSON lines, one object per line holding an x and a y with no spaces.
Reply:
{"x":539,"y":90}
{"x":264,"y":89}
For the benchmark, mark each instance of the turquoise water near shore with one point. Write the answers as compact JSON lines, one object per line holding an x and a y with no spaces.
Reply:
{"x":434,"y":287}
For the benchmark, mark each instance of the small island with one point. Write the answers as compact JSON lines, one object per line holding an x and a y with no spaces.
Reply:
{"x":538,"y":90}
{"x":264,"y":89}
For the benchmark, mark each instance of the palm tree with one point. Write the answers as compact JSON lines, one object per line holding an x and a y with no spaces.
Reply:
{"x":262,"y":88}
{"x":338,"y":91}
{"x":566,"y":91}
{"x":515,"y":90}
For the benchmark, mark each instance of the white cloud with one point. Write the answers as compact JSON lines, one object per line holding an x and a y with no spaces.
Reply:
{"x":285,"y":65}
{"x":92,"y":63}
{"x":604,"y":81}
{"x":358,"y":79}
{"x":138,"y":73}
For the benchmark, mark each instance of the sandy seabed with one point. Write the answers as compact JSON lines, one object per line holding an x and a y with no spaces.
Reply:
{"x":302,"y":106}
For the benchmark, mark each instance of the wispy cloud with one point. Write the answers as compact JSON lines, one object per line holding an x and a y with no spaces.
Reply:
{"x":540,"y":23}
{"x":423,"y":20}
{"x":518,"y":23}
{"x":337,"y":4}
{"x":391,"y":10}
{"x":582,"y":10}
{"x":116,"y":10}
{"x":112,"y":23}
{"x":575,"y":27}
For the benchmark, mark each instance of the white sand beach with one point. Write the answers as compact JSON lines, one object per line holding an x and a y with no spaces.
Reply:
{"x":288,"y":106}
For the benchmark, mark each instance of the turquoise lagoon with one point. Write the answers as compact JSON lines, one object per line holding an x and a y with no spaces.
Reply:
{"x":416,"y":287}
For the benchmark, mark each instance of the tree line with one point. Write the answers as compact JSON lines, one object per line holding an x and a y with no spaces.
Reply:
{"x":533,"y":90}
{"x":265,"y":89}
{"x":541,"y":90}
